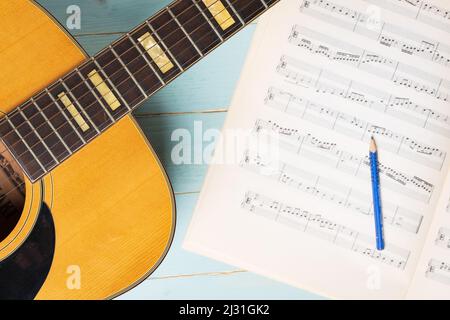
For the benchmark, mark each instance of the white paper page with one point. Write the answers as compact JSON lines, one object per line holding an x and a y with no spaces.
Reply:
{"x":295,"y":204}
{"x":432,"y":279}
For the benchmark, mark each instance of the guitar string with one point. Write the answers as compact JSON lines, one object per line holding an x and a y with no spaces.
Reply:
{"x":117,"y":60}
{"x":91,"y":91}
{"x":115,"y":86}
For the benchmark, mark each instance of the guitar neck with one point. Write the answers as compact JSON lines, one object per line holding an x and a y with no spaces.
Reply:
{"x":61,"y":119}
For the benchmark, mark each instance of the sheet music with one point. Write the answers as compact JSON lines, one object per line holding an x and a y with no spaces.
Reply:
{"x":322,"y":77}
{"x":432,"y":279}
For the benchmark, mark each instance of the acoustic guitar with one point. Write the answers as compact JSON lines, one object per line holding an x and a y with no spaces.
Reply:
{"x":86,"y":209}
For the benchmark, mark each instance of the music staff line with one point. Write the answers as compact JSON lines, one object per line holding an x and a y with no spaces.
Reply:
{"x":305,"y":75}
{"x":418,"y":10}
{"x":385,"y":34}
{"x":438,"y":271}
{"x":355,"y":128}
{"x":345,"y":162}
{"x":396,"y":72}
{"x":323,"y":228}
{"x":332,"y":191}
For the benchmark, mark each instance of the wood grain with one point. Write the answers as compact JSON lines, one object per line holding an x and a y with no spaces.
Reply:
{"x":207,"y":86}
{"x":112,"y":206}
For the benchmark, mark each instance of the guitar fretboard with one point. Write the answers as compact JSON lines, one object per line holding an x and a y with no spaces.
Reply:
{"x":55,"y":123}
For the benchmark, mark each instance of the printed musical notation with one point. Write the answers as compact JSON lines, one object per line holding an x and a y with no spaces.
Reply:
{"x":328,"y":154}
{"x":398,"y":73}
{"x":443,"y":238}
{"x":419,"y":10}
{"x":355,"y":128}
{"x":384,"y":33}
{"x":323,"y":228}
{"x":326,"y":189}
{"x":306,"y":75}
{"x":438,"y":271}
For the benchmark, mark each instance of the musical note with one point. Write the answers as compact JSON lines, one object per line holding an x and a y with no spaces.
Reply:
{"x":443,"y":238}
{"x":334,"y":192}
{"x":328,"y":154}
{"x":320,"y":227}
{"x":398,"y":73}
{"x":355,"y":128}
{"x":438,"y":271}
{"x":306,"y":75}
{"x":389,"y":35}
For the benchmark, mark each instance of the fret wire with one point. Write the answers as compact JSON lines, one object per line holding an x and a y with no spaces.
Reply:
{"x":264,"y":4}
{"x":95,"y":95}
{"x":51,"y":125}
{"x":128,"y":71}
{"x":235,"y":12}
{"x":107,"y":78}
{"x":26,"y":144}
{"x":185,"y":32}
{"x":16,"y":158}
{"x":113,"y":85}
{"x":207,"y":19}
{"x":135,"y":45}
{"x":38,"y":135}
{"x":164,"y":45}
{"x":110,"y":82}
{"x":79,"y":106}
{"x":65,"y":116}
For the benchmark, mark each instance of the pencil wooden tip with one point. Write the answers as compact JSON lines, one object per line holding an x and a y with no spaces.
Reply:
{"x":373,"y":145}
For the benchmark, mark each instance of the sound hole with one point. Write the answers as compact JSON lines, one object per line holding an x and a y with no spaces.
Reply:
{"x":12,"y":193}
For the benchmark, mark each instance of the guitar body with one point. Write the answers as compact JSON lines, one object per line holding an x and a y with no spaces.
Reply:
{"x":100,"y":222}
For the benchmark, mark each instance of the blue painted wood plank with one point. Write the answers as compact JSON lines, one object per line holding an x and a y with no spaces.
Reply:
{"x":102,"y":16}
{"x":174,"y":278}
{"x":244,"y":285}
{"x":207,"y":85}
{"x":180,"y":261}
{"x":162,"y":133}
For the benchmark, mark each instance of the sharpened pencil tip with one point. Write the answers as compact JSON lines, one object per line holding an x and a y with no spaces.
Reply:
{"x":373,"y":145}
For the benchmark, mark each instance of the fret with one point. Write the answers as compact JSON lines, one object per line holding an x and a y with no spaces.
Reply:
{"x":184,"y":31}
{"x":207,"y":19}
{"x":66,"y":104}
{"x":162,"y":63}
{"x":61,"y":119}
{"x":46,"y":130}
{"x":249,"y":9}
{"x":128,"y":71}
{"x":43,"y":105}
{"x":91,"y":102}
{"x":144,"y":56}
{"x":235,"y":11}
{"x":200,"y":30}
{"x":63,"y":113}
{"x":118,"y":78}
{"x":32,"y":140}
{"x":76,"y":113}
{"x":161,"y":43}
{"x":18,"y":149}
{"x":31,"y":162}
{"x":41,"y":138}
{"x":221,"y":16}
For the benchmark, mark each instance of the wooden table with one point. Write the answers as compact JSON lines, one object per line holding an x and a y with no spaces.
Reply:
{"x":198,"y":98}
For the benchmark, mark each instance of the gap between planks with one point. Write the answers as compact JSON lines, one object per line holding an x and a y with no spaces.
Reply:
{"x":200,"y":274}
{"x":178,"y":113}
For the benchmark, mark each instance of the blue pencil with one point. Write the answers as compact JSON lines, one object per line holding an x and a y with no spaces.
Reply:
{"x":376,"y":194}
